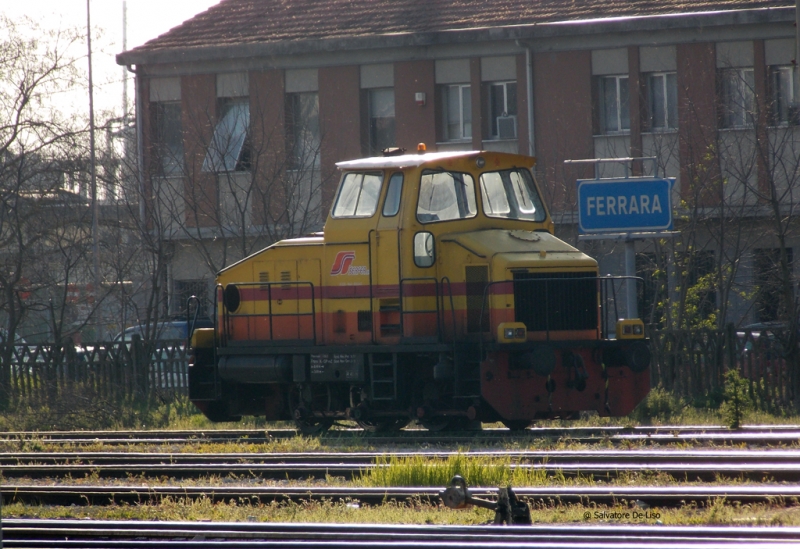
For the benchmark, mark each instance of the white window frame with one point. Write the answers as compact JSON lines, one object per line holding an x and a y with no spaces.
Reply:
{"x":668,"y":119}
{"x":464,"y":116}
{"x":228,"y":142}
{"x":618,"y":122}
{"x":374,"y":116}
{"x":169,"y":160}
{"x":509,"y":110}
{"x":783,"y":96}
{"x":737,"y":98}
{"x":303,"y":127}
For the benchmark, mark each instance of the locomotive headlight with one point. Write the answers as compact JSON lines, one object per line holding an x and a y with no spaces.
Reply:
{"x":512,"y":332}
{"x":631,"y":328}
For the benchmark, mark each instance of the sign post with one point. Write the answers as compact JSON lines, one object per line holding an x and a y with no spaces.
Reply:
{"x":628,"y":209}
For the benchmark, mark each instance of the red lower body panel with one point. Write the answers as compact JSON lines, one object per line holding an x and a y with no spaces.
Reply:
{"x":523,"y":394}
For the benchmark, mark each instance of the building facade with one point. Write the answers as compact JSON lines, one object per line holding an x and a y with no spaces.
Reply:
{"x":244,"y":110}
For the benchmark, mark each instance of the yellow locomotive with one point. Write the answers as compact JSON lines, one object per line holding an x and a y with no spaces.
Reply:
{"x":436,"y":292}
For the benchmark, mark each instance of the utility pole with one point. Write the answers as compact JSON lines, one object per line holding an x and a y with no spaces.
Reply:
{"x":125,"y":69}
{"x":796,"y":90}
{"x":93,"y":171}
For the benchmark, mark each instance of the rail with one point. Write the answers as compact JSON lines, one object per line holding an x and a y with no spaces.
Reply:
{"x":59,"y":533}
{"x":662,"y":496}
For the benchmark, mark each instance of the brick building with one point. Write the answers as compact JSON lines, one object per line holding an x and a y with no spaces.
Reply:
{"x":244,"y":110}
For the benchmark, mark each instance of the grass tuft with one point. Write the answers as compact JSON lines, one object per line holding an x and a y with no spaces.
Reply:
{"x":418,"y":470}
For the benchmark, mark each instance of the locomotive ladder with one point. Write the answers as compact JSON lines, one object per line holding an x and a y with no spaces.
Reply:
{"x":383,"y":376}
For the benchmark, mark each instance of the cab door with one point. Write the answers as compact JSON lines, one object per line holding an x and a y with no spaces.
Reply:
{"x":387,"y":263}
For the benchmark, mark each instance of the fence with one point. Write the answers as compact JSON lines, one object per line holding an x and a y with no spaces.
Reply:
{"x":690,"y":364}
{"x":118,"y":371}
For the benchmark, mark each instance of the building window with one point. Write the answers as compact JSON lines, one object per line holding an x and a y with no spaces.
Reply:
{"x":168,"y":139}
{"x":457,"y":111}
{"x":662,"y":101}
{"x":184,"y":289}
{"x":737,"y":98}
{"x":767,"y":280}
{"x":614,"y":104}
{"x":503,"y":110}
{"x":381,"y":119}
{"x":229,"y":150}
{"x":784,"y":111}
{"x":302,"y":129}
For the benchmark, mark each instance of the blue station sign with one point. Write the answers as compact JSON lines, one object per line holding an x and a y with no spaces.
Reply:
{"x":624,"y":205}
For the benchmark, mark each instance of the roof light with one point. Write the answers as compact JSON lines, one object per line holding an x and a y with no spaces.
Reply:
{"x":421,"y":148}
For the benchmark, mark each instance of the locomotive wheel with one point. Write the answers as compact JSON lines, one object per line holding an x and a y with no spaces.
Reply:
{"x":383,"y":426}
{"x":300,"y":406}
{"x":516,"y":424}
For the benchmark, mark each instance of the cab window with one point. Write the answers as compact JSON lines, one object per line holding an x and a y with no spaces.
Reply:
{"x":445,"y":195}
{"x":358,"y":194}
{"x":392,"y":203}
{"x":511,"y":194}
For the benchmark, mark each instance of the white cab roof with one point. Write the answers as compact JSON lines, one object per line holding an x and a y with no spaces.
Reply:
{"x":404,"y":161}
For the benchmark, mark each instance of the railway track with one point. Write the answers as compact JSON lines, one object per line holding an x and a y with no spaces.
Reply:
{"x":700,"y":465}
{"x":754,"y":435}
{"x":56,"y":534}
{"x":653,"y":496}
{"x":10,"y":459}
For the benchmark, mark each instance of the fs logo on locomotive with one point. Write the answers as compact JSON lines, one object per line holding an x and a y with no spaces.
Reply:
{"x":343,"y":265}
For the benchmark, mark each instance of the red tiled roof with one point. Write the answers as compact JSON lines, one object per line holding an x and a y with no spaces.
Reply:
{"x":242,"y":22}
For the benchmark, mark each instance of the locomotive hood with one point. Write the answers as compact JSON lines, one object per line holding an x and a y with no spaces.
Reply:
{"x":520,"y":249}
{"x":536,"y":244}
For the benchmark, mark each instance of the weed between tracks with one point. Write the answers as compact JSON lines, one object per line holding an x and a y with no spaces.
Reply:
{"x":423,"y":471}
{"x":717,"y":512}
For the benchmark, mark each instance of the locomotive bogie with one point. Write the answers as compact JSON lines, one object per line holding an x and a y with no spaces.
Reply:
{"x":399,"y":309}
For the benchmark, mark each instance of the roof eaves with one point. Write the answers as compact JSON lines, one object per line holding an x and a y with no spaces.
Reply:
{"x":646,"y":23}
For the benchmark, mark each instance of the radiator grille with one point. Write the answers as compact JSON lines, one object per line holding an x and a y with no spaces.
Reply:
{"x":556,"y":301}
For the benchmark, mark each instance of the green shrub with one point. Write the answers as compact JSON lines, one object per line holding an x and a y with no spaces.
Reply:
{"x":737,"y":399}
{"x":660,"y":405}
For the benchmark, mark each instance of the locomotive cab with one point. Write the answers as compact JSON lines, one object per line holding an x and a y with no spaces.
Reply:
{"x":437,"y":292}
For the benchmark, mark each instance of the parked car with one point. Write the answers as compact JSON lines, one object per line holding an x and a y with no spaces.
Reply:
{"x":170,"y":330}
{"x":765,"y":339}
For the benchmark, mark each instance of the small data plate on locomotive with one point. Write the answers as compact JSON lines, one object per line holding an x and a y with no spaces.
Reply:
{"x":337,"y":367}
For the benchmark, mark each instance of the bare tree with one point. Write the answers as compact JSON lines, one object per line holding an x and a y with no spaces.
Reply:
{"x":42,"y":242}
{"x":245,"y":179}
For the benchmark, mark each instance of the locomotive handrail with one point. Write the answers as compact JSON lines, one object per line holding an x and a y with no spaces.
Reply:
{"x":190,"y":322}
{"x":371,"y":295}
{"x":226,"y":314}
{"x":604,"y":298}
{"x":221,"y":335}
{"x":603,"y":329}
{"x":403,"y":311}
{"x":452,"y":306}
